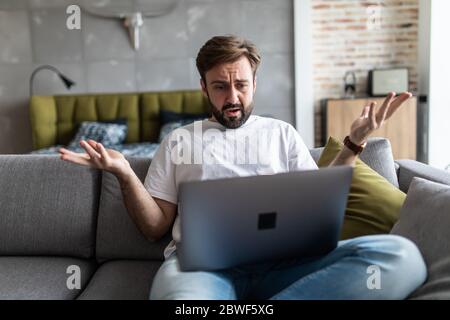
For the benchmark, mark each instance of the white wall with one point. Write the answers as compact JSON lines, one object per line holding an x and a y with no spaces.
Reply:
{"x":439,"y":85}
{"x":304,"y":97}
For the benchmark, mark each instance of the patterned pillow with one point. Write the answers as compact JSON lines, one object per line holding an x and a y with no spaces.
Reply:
{"x":169,"y":127}
{"x":108,"y":134}
{"x":170,"y":116}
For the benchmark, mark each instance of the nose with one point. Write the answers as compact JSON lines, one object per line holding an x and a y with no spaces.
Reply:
{"x":233,"y":96}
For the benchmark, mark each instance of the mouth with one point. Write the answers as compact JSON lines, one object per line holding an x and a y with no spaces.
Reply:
{"x":233,"y":112}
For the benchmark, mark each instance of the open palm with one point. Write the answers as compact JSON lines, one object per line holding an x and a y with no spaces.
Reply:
{"x":370,"y":120}
{"x":96,"y":156}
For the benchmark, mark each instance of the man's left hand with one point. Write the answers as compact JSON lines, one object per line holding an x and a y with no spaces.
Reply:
{"x":370,"y":120}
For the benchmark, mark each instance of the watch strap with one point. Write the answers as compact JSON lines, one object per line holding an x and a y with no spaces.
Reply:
{"x":357,"y":149}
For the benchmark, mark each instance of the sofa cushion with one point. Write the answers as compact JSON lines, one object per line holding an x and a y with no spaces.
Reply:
{"x":315,"y":153}
{"x":425,"y":219}
{"x":32,"y":278}
{"x":121,"y":280}
{"x":48,"y":206}
{"x":377,"y":155}
{"x":117,"y":235}
{"x":410,"y":169}
{"x":373,"y":204}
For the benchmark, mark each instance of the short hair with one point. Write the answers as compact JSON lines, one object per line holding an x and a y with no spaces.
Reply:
{"x":226,"y":49}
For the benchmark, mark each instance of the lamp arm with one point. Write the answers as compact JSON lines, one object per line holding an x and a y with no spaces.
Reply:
{"x":35,"y":71}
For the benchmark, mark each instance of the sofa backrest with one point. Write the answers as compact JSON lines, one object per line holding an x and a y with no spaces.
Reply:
{"x":377,"y":155}
{"x":117,"y":235}
{"x":47,"y":207}
{"x":51,"y":207}
{"x":55,"y":119}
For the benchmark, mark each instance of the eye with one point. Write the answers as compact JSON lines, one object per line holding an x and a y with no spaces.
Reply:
{"x":219,"y":87}
{"x":241,"y":86}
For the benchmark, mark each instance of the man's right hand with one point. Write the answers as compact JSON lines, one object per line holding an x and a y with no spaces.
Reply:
{"x":152,"y":216}
{"x":98,"y":157}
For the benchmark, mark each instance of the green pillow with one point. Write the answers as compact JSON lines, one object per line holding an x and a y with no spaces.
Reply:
{"x":373,"y":204}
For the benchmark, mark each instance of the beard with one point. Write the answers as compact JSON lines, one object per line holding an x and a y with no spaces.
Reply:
{"x":231,"y":122}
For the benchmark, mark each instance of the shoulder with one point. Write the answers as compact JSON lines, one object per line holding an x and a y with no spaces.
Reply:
{"x":286,"y":129}
{"x":273,"y":123}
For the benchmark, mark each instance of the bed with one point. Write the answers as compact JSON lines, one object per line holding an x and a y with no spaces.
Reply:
{"x":56,"y":121}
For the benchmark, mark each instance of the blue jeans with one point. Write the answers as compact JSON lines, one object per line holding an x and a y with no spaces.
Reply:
{"x":370,"y":267}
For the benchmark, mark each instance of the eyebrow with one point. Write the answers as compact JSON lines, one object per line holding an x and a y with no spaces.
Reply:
{"x":226,"y":82}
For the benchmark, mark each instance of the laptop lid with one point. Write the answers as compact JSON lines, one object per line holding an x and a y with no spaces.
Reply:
{"x":237,"y":221}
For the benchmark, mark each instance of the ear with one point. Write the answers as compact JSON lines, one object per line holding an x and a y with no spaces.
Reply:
{"x":203,"y":85}
{"x":254,"y":84}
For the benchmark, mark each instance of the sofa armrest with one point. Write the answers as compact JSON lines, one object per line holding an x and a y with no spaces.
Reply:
{"x":408,"y":169}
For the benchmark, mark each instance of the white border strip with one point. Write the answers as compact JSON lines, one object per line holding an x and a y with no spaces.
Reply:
{"x":304,"y":95}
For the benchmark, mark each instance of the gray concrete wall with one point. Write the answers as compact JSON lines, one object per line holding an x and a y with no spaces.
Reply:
{"x":100,"y":59}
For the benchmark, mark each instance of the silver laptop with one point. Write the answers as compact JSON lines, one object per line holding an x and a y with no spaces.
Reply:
{"x":239,"y":221}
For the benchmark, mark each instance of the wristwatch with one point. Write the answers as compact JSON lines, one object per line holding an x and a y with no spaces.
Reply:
{"x":357,"y":149}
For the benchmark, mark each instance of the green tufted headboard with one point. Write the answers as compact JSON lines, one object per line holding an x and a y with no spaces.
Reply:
{"x":55,"y":119}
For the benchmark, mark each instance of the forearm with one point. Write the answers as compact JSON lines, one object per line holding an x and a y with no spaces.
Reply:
{"x":141,"y":206}
{"x":344,"y":157}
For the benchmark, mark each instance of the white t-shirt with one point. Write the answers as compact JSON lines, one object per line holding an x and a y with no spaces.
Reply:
{"x":206,"y":150}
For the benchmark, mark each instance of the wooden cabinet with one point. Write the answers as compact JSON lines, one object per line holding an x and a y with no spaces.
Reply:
{"x":400,"y":129}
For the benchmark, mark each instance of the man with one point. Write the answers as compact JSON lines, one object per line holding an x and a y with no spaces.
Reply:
{"x":227,"y":66}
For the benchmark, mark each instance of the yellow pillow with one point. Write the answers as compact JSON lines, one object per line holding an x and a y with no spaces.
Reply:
{"x":373,"y":204}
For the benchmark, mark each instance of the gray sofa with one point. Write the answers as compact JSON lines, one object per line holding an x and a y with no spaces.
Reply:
{"x":54,"y":215}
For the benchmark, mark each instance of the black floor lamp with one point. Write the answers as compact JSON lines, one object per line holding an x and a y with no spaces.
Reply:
{"x":67,"y":82}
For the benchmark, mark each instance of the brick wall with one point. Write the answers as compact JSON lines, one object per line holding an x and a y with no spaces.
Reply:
{"x":353,"y":35}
